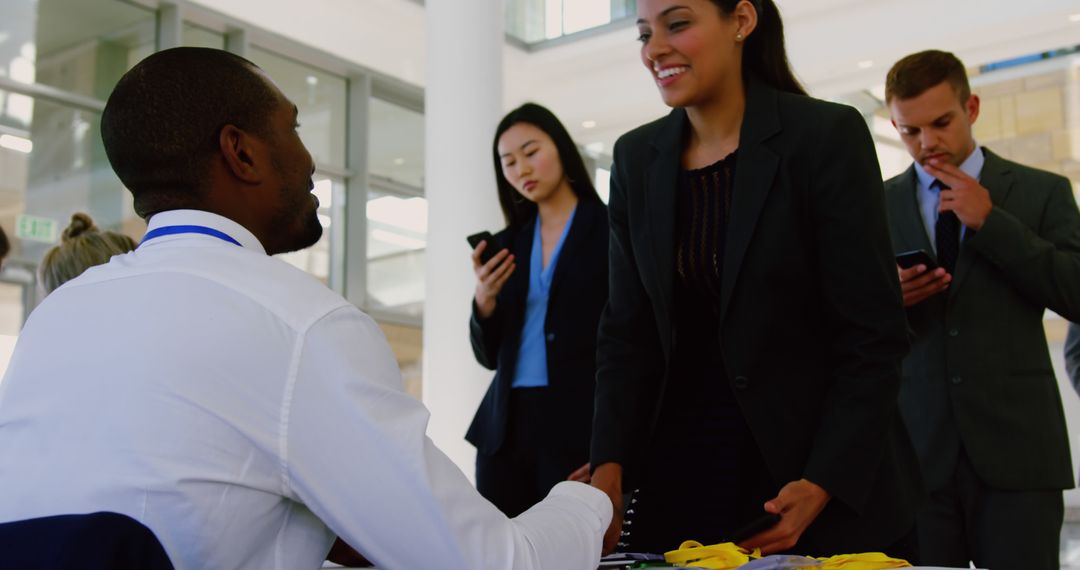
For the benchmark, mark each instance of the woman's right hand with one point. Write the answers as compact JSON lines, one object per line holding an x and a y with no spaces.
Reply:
{"x":490,"y":277}
{"x":608,"y":478}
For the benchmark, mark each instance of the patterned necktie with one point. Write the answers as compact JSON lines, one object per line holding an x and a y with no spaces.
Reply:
{"x":946,"y":234}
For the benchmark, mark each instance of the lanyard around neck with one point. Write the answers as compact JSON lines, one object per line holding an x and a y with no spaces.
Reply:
{"x":173,"y":230}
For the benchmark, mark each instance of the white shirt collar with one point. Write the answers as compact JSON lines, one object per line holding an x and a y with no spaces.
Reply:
{"x":972,"y":166}
{"x":202,"y":218}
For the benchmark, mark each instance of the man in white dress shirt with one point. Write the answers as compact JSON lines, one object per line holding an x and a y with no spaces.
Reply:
{"x":228,"y":401}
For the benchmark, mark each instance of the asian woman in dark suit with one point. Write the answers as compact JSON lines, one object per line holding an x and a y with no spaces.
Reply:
{"x":535,"y":313}
{"x":749,"y":353}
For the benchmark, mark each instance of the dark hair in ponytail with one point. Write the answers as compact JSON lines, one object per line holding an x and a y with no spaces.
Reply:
{"x":764,"y":56}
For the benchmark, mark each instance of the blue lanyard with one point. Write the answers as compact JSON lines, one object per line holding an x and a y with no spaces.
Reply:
{"x":171,"y":230}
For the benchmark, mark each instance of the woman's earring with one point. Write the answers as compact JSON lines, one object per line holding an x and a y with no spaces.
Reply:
{"x":738,"y":37}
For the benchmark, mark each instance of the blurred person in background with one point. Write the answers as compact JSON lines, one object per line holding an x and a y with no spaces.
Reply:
{"x":535,"y":313}
{"x":979,"y":395}
{"x":82,"y":246}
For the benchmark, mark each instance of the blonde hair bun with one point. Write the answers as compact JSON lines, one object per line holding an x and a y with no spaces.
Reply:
{"x":83,"y":245}
{"x":81,"y":223}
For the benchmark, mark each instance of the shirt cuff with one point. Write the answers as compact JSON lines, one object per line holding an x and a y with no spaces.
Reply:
{"x":594,"y":498}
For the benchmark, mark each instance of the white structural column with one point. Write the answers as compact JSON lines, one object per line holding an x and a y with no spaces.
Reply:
{"x":462,"y":107}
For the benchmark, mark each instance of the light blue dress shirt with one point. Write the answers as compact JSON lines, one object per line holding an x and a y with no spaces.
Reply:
{"x":531,"y":370}
{"x":929,"y":198}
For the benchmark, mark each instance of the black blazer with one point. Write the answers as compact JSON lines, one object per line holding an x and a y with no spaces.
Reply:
{"x":93,"y":541}
{"x":979,"y":372}
{"x":811,"y":324}
{"x":578,"y":293}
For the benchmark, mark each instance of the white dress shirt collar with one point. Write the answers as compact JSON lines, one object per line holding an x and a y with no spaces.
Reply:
{"x":205,"y":219}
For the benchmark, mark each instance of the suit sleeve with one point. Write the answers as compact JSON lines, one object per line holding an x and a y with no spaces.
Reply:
{"x":629,"y":359}
{"x":862,"y":311}
{"x":1043,"y":263}
{"x":486,"y":336}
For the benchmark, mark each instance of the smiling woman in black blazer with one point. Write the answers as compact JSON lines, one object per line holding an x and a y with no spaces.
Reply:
{"x":535,"y":314}
{"x":749,"y":352}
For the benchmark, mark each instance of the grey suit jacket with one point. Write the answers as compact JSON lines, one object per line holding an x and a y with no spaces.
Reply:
{"x":979,"y":373}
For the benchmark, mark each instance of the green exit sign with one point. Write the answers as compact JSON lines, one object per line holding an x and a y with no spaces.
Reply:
{"x":37,"y":229}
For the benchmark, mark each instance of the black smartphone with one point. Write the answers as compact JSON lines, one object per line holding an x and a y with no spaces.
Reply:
{"x":909,"y":259}
{"x":489,"y":251}
{"x":764,"y":522}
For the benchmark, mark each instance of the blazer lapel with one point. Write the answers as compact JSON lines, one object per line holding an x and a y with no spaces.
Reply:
{"x":517,"y":286}
{"x":755,"y":168}
{"x":661,"y":179}
{"x":579,"y":230}
{"x":996,"y":177}
{"x":909,"y":221}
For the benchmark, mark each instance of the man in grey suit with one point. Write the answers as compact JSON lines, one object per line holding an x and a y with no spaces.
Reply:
{"x":978,"y":395}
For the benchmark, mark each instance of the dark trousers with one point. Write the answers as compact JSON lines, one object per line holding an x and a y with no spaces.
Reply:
{"x":1003,"y":530}
{"x":530,"y":462}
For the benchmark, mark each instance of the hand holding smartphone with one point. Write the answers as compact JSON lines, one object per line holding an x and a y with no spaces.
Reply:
{"x":760,"y":524}
{"x":489,"y":281}
{"x":489,"y":251}
{"x":909,"y":259}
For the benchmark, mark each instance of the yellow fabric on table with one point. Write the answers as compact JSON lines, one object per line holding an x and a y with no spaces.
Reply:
{"x":728,"y":556}
{"x":720,"y":556}
{"x":864,"y":561}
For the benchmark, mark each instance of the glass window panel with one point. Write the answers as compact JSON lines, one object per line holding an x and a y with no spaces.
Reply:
{"x":18,"y":48}
{"x":83,"y":47}
{"x":51,"y":166}
{"x":408,"y":345}
{"x":623,"y":9}
{"x":317,"y":259}
{"x":533,"y":21}
{"x":195,"y":36}
{"x":321,"y":98}
{"x":396,"y":144}
{"x":397,"y":238}
{"x":553,"y":19}
{"x":581,"y":15}
{"x":526,"y":20}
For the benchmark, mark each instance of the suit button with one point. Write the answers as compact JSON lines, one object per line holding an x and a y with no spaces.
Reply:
{"x":957,"y":380}
{"x":954,"y":332}
{"x":550,"y":337}
{"x":741,"y":382}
